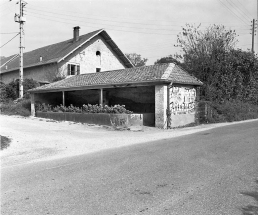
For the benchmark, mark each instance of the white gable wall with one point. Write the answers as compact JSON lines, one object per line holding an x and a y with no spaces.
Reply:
{"x":88,"y":61}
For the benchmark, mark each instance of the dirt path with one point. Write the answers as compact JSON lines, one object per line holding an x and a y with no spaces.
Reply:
{"x":36,"y":139}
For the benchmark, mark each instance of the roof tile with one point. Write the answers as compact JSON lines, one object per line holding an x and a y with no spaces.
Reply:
{"x":135,"y":75}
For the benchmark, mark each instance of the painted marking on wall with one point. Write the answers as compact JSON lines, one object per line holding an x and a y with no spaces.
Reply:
{"x":182,"y":100}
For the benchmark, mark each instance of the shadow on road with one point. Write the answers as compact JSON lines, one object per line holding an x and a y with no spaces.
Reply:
{"x":251,"y":209}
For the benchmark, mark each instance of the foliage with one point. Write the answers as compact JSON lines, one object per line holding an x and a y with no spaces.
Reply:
{"x":85,"y":109}
{"x":11,"y":91}
{"x":136,"y":59}
{"x":21,"y":108}
{"x":227,"y":111}
{"x":168,"y":59}
{"x":228,"y":74}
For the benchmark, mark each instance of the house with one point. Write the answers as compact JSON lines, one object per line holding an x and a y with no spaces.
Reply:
{"x":165,"y":90}
{"x":88,"y":53}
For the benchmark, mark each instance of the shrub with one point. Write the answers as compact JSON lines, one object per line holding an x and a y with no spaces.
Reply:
{"x":10,"y":91}
{"x":227,"y":111}
{"x":21,"y":108}
{"x":85,"y":109}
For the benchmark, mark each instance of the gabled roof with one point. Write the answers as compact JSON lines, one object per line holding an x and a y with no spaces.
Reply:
{"x":56,"y":52}
{"x":155,"y":74}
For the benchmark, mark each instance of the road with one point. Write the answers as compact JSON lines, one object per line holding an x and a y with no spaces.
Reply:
{"x":210,"y":172}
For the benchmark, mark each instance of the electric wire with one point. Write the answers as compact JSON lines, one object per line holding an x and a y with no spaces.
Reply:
{"x":9,"y":40}
{"x":95,"y":26}
{"x":238,"y":9}
{"x":233,"y":12}
{"x":106,"y":20}
{"x":10,"y":33}
{"x":243,"y":7}
{"x":102,"y":24}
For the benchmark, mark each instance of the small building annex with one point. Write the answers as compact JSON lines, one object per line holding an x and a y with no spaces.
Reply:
{"x":88,"y":53}
{"x":165,"y":90}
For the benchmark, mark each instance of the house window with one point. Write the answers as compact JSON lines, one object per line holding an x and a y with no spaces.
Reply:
{"x":98,"y":69}
{"x":73,"y":69}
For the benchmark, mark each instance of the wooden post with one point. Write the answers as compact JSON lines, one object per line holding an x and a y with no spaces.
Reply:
{"x":63,"y":93}
{"x":101,"y":97}
{"x":32,"y":97}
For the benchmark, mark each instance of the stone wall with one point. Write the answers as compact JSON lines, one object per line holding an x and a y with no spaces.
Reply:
{"x":41,"y":74}
{"x":182,"y":105}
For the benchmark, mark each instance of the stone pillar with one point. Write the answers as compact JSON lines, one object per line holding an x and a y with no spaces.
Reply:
{"x":32,"y":98}
{"x":161,"y":106}
{"x":63,"y":97}
{"x":101,"y":97}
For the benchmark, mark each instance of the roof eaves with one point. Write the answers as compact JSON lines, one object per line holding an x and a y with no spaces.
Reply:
{"x":62,"y":58}
{"x":98,"y":86}
{"x":32,"y":65}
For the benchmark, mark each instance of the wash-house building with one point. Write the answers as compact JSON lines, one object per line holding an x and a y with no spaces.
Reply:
{"x":166,"y":91}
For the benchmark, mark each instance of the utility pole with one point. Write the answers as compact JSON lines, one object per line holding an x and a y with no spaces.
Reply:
{"x":21,"y":20}
{"x":253,"y":24}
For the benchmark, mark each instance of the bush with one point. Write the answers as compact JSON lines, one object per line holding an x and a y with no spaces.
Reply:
{"x":11,"y":91}
{"x":228,"y":111}
{"x":85,"y":109}
{"x":21,"y":108}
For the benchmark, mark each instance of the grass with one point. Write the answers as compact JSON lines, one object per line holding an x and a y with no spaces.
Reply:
{"x":5,"y":142}
{"x":21,"y":108}
{"x":227,"y":111}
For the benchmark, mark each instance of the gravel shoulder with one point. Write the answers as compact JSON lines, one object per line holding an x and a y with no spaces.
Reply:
{"x":37,"y":139}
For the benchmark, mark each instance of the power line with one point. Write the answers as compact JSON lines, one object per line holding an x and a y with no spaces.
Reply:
{"x":105,"y":24}
{"x":10,"y":33}
{"x":243,"y":7}
{"x":232,"y":12}
{"x":95,"y":26}
{"x":106,"y":20}
{"x":243,"y":14}
{"x":10,"y":40}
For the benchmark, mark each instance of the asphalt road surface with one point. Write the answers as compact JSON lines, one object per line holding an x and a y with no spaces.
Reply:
{"x":210,"y":172}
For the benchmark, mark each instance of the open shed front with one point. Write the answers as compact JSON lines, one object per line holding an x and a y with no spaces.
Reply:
{"x":139,"y":99}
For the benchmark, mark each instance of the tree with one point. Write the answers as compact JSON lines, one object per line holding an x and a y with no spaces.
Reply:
{"x":211,"y":57}
{"x":136,"y":59}
{"x":168,"y":59}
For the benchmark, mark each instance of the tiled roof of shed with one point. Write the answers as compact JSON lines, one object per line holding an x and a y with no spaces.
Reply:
{"x":167,"y":72}
{"x":55,"y":52}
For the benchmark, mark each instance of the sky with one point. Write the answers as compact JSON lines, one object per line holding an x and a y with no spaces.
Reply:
{"x":145,"y":27}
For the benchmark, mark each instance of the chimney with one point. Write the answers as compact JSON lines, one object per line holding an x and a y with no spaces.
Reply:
{"x":76,"y":33}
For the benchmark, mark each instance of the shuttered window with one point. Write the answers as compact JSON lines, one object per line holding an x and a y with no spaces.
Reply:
{"x":73,"y":69}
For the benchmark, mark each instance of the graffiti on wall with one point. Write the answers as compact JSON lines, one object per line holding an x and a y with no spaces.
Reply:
{"x":182,"y":100}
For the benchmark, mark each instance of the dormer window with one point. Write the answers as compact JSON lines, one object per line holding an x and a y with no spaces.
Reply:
{"x":40,"y":58}
{"x":73,"y":69}
{"x":98,"y":69}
